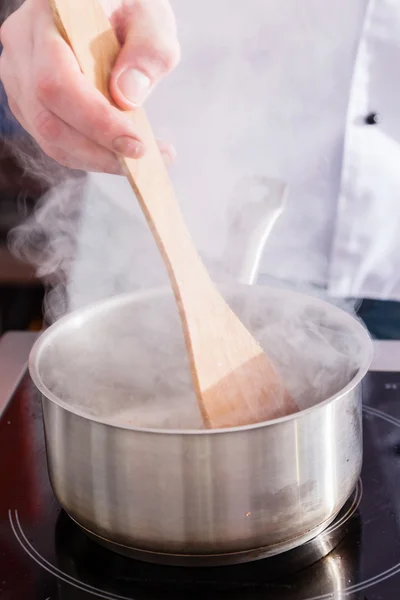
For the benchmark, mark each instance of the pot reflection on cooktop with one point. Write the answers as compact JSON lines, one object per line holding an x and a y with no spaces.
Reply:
{"x":116,"y":576}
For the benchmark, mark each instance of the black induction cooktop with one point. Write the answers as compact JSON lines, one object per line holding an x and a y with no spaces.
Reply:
{"x":45,"y":556}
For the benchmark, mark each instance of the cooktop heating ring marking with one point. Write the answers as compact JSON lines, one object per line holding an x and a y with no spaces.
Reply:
{"x":382,"y":415}
{"x":46,"y":565}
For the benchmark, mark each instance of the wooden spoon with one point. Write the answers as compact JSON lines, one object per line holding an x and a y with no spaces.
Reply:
{"x":235,"y":383}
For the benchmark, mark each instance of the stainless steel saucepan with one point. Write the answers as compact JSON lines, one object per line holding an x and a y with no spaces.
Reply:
{"x":130,"y":462}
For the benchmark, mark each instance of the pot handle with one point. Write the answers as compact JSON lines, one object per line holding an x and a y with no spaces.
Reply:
{"x":253,"y":212}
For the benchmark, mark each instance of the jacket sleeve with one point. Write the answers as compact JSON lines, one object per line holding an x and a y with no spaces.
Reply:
{"x":8,"y":124}
{"x":7,"y":7}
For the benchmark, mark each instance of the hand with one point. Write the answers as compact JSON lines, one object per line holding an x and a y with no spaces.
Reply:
{"x":48,"y":94}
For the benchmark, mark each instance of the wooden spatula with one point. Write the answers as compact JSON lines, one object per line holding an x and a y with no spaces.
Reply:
{"x":235,"y":383}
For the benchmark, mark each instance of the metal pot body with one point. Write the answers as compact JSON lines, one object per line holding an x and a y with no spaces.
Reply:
{"x":197,"y":496}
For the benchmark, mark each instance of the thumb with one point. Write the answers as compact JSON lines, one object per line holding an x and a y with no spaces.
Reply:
{"x":150,"y":50}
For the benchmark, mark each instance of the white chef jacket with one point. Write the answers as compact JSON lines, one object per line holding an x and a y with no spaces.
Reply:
{"x":279,"y":89}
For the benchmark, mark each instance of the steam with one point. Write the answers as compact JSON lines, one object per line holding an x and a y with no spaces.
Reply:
{"x":47,"y":239}
{"x":88,"y":239}
{"x":127,"y":363}
{"x":132,"y":368}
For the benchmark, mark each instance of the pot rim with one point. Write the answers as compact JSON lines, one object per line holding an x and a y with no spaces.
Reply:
{"x":96,"y":307}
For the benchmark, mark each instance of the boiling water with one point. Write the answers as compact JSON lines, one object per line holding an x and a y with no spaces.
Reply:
{"x":126,"y":363}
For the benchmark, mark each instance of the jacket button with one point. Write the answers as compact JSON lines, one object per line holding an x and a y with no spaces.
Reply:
{"x":372,"y":118}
